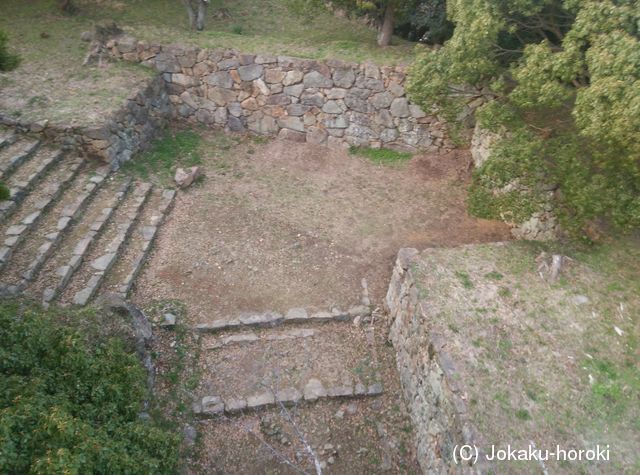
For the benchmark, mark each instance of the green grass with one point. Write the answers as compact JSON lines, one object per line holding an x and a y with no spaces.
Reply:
{"x":259,"y":26}
{"x":381,"y":155}
{"x":465,"y":279}
{"x":177,"y":149}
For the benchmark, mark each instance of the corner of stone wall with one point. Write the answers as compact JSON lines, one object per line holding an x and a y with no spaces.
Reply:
{"x":141,"y":118}
{"x":542,"y":225}
{"x":428,"y":378}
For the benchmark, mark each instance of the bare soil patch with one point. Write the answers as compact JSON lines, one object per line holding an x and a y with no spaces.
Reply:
{"x":280,"y":225}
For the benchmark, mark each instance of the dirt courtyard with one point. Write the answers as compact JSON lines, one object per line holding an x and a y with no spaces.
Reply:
{"x":277,"y":225}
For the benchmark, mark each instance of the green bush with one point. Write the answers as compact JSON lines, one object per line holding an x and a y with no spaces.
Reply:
{"x":70,"y":401}
{"x":560,"y":78}
{"x":8,"y":61}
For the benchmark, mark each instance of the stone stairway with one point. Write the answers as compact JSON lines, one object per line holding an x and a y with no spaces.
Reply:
{"x":268,"y":360}
{"x":71,"y":228}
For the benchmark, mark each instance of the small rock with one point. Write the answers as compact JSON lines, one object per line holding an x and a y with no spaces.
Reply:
{"x":340,"y":414}
{"x":580,"y":299}
{"x":86,"y":36}
{"x":169,"y":320}
{"x":331,"y":460}
{"x":185,"y":178}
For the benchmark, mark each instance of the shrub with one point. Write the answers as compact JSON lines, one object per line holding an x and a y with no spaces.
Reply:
{"x":70,"y":400}
{"x":8,"y":61}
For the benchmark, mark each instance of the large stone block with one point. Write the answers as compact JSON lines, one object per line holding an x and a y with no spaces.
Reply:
{"x":250,"y":72}
{"x":316,"y":79}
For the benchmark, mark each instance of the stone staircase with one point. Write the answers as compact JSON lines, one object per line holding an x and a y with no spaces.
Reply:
{"x":72,"y":227}
{"x":267,"y":360}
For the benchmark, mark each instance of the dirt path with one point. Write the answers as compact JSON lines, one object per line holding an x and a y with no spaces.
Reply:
{"x":280,"y":225}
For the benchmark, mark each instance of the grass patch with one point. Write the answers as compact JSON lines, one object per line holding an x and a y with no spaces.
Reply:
{"x":177,"y":149}
{"x":464,"y":279}
{"x":381,"y":155}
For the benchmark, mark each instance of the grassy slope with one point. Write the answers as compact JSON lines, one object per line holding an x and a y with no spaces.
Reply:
{"x":554,"y":363}
{"x":254,"y":26}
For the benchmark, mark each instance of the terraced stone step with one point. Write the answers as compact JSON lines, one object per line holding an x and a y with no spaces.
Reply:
{"x":26,"y":177}
{"x":139,"y":244}
{"x":15,"y":154}
{"x":88,"y":234}
{"x":252,"y":337}
{"x":68,"y":216}
{"x":7,"y":137}
{"x":273,"y":319}
{"x":16,"y":233}
{"x":313,"y":390}
{"x":101,"y":265}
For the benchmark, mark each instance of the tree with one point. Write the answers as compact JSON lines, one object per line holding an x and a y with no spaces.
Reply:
{"x":561,"y":79}
{"x":197,"y":11}
{"x":384,"y":13}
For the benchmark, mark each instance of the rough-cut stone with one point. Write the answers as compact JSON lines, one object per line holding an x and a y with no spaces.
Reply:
{"x":261,"y":319}
{"x":260,"y":400}
{"x":344,"y":77}
{"x":314,"y":390}
{"x":400,"y":107}
{"x":294,"y":91}
{"x":332,"y":107}
{"x":220,"y":79}
{"x":212,"y":406}
{"x":297,"y":110}
{"x":317,"y":135}
{"x":296,"y":315}
{"x":289,"y":396}
{"x":185,"y":177}
{"x":235,"y":405}
{"x":273,"y":76}
{"x":293,"y":123}
{"x":293,"y":77}
{"x":316,"y":79}
{"x":292,"y":135}
{"x":250,"y":72}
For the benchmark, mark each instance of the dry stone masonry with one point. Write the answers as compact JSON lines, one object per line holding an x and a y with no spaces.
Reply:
{"x":129,"y":130}
{"x":428,"y":377}
{"x":329,"y":102}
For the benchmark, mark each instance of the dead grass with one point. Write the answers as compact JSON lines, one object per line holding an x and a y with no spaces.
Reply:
{"x":553,"y":363}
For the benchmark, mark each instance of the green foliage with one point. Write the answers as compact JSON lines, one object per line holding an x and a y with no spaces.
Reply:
{"x":381,"y":155}
{"x":8,"y":61}
{"x":69,"y":402}
{"x":563,"y":78}
{"x":5,"y":193}
{"x":178,"y":149}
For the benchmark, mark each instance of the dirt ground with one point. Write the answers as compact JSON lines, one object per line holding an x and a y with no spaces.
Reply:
{"x":276,"y":225}
{"x":280,"y":225}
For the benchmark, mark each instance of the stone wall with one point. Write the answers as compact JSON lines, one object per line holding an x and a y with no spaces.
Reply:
{"x":324,"y":102}
{"x":427,"y":376}
{"x":129,"y":130}
{"x":541,"y":225}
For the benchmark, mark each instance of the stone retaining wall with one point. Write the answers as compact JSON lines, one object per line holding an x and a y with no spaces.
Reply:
{"x":427,"y":376}
{"x":324,"y":102}
{"x":129,"y":130}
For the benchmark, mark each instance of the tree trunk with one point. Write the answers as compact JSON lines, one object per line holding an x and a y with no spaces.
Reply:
{"x":67,"y":6}
{"x":386,"y":29}
{"x":191,"y":13}
{"x":202,"y":13}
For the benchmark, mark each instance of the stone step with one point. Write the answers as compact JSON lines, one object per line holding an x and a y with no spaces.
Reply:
{"x":15,"y":154}
{"x":7,"y":137}
{"x":26,"y":177}
{"x":97,"y":268}
{"x":35,"y":207}
{"x":252,"y":337}
{"x":242,"y":366}
{"x":126,"y":270}
{"x":72,"y":255}
{"x":312,"y":391}
{"x":57,"y":226}
{"x":273,"y":319}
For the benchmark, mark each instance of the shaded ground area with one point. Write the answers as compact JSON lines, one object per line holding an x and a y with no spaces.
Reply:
{"x":280,"y":225}
{"x":548,"y":363}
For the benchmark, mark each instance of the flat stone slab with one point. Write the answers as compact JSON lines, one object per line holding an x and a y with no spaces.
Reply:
{"x":314,"y":390}
{"x":294,"y":316}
